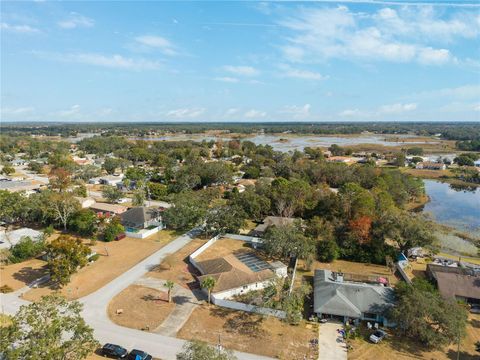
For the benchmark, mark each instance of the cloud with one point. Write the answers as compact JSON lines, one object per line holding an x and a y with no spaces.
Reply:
{"x":241,"y":70}
{"x":110,"y":61}
{"x":227,"y":79}
{"x":157,"y":42}
{"x":21,"y":29}
{"x":255,"y":114}
{"x":350,"y":112}
{"x":288,"y":71}
{"x":464,"y":92}
{"x":318,"y":34}
{"x":231,"y":112}
{"x":74,"y":110}
{"x":297,"y":112}
{"x":16,"y":111}
{"x":476,"y":107}
{"x":185,"y":113}
{"x":397,"y":108}
{"x":76,"y":20}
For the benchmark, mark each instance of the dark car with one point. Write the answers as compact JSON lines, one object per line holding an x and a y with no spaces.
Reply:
{"x":139,"y":355}
{"x":114,"y":351}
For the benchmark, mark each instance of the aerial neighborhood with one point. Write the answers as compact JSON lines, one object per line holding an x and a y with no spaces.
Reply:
{"x":231,"y":245}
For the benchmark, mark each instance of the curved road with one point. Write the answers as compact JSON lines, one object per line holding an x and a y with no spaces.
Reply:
{"x":95,"y":309}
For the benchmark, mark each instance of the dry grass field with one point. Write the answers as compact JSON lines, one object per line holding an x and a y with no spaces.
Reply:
{"x":19,"y":275}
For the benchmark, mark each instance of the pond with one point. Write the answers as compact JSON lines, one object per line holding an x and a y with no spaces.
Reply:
{"x":453,"y":205}
{"x":288,"y":142}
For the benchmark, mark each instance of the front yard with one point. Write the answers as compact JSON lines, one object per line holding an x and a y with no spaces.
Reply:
{"x":262,"y":335}
{"x":396,"y":347}
{"x":115,"y":258}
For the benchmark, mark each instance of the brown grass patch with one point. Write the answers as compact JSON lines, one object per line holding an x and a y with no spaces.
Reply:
{"x":249,"y":333}
{"x":395,"y":347}
{"x":19,"y":275}
{"x":122,"y":255}
{"x":143,"y":308}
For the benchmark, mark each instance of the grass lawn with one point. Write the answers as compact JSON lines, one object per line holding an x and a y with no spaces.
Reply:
{"x":398,"y":348}
{"x":116,"y":257}
{"x":175,"y":267}
{"x":19,"y":275}
{"x":143,"y":308}
{"x":238,"y":330}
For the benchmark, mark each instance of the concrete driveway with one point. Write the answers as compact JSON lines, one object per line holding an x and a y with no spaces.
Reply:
{"x":330,"y":343}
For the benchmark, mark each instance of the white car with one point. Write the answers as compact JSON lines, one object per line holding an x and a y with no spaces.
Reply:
{"x":377,"y":336}
{"x":123,"y":200}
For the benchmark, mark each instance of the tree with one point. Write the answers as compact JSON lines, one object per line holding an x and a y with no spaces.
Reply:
{"x":169,"y":285}
{"x":464,"y":160}
{"x":157,"y":191}
{"x":12,"y":207}
{"x":399,"y":159}
{"x":224,"y":219}
{"x":60,"y":179}
{"x":188,"y":210}
{"x":65,"y":255}
{"x":26,"y":248}
{"x":63,"y":206}
{"x":356,"y":201}
{"x":112,"y":230}
{"x":256,"y":206}
{"x":138,"y":197}
{"x":111,"y":193}
{"x":423,"y":315}
{"x":208,"y":283}
{"x":360,"y":229}
{"x":51,"y":328}
{"x":8,"y":170}
{"x":84,"y":222}
{"x":415,"y":151}
{"x":198,"y":350}
{"x":287,"y":240}
{"x":327,"y":250}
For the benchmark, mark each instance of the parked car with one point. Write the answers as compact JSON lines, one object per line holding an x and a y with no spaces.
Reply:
{"x":377,"y":336}
{"x":475,"y":309}
{"x":139,"y":355}
{"x":114,"y":351}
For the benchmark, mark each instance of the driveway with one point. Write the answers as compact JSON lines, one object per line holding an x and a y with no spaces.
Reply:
{"x":330,"y":343}
{"x":95,"y":309}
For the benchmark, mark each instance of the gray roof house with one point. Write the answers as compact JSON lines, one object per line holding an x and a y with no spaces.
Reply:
{"x":141,"y":217}
{"x":333,"y":296}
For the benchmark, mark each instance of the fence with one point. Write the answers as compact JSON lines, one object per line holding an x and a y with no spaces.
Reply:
{"x":235,"y":305}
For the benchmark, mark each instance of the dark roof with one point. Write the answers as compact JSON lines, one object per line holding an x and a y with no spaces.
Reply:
{"x":349,"y":298}
{"x":139,"y":215}
{"x":451,"y":285}
{"x":273,"y":220}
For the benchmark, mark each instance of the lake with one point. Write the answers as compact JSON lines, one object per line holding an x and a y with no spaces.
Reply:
{"x":458,"y":207}
{"x":288,"y":142}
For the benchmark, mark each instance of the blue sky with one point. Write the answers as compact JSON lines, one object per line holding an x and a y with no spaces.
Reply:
{"x":240,"y":61}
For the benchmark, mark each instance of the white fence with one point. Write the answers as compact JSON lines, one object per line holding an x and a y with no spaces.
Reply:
{"x":235,"y":305}
{"x":142,"y":234}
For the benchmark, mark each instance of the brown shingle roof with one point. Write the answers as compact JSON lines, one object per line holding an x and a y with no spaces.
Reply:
{"x":451,"y":285}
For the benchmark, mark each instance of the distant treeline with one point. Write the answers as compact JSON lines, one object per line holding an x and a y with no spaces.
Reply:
{"x":461,"y":131}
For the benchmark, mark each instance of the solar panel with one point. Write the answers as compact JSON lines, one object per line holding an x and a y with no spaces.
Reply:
{"x":253,"y":262}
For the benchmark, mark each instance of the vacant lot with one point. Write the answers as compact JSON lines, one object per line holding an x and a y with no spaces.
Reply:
{"x":19,"y":275}
{"x":115,"y":258}
{"x":401,"y":349}
{"x":175,"y":267}
{"x":252,"y":333}
{"x":142,"y":308}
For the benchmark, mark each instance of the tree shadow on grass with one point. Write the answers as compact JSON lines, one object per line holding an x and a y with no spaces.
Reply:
{"x":245,"y":324}
{"x":475,"y":323}
{"x":180,"y":300}
{"x":29,"y":274}
{"x":452,"y":354}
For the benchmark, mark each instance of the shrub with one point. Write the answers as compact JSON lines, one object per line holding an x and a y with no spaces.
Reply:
{"x":25,"y":249}
{"x":5,"y":289}
{"x":327,"y":251}
{"x":94,"y":257}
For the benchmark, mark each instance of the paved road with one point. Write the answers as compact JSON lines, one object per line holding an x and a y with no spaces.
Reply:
{"x":95,"y":310}
{"x":330,"y":343}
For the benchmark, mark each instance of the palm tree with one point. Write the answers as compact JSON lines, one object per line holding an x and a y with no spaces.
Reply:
{"x":169,"y":285}
{"x":208,"y":283}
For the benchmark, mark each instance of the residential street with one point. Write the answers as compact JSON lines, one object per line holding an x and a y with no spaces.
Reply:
{"x":95,"y":309}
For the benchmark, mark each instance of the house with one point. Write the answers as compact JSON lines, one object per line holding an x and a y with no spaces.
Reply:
{"x":235,"y":266}
{"x":107,"y":210}
{"x":85,"y":202}
{"x":260,"y":230}
{"x":20,"y":185}
{"x":82,"y":161}
{"x":111,"y":180}
{"x":142,"y":217}
{"x":456,"y":282}
{"x":429,"y":165}
{"x":335,"y":296}
{"x":11,"y":238}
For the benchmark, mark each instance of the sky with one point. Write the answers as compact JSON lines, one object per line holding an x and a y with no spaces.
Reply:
{"x":96,"y":61}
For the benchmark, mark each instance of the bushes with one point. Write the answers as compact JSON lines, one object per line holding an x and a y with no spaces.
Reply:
{"x":112,"y":229}
{"x":327,"y":251}
{"x":5,"y":289}
{"x":25,"y":249}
